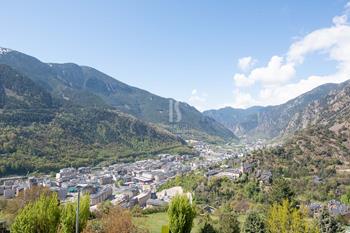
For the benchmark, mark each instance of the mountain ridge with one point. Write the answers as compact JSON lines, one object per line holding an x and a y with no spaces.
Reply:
{"x":91,"y":87}
{"x":276,"y":121}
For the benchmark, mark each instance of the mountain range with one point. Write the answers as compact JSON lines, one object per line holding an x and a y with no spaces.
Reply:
{"x":87,"y":86}
{"x":40,"y":132}
{"x":55,"y":115}
{"x":282,"y":120}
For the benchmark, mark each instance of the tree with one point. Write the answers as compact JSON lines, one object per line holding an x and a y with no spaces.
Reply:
{"x":68,"y":215}
{"x":328,"y":223}
{"x":283,"y":218}
{"x":41,"y":216}
{"x":116,"y":220}
{"x":181,"y":213}
{"x":228,"y":221}
{"x":280,"y":191}
{"x":254,"y":223}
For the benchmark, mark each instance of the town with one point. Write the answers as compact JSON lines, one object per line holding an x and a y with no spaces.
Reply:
{"x":129,"y":184}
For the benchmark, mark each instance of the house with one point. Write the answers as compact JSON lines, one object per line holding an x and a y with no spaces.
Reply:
{"x":231,"y":174}
{"x":106,"y":179}
{"x":167,"y":194}
{"x":142,"y":198}
{"x":101,"y":195}
{"x":65,"y":174}
{"x":264,"y":176}
{"x":155,"y":203}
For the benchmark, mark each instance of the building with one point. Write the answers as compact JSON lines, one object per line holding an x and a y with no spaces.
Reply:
{"x":103,"y":194}
{"x":66,"y":174}
{"x":106,"y":179}
{"x":142,"y":198}
{"x":155,"y":203}
{"x":9,"y":193}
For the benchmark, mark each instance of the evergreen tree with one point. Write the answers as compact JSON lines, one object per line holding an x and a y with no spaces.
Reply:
{"x":283,"y":218}
{"x":41,"y":216}
{"x":280,"y":191}
{"x":181,"y":213}
{"x":68,"y":214}
{"x":254,"y":223}
{"x":328,"y":223}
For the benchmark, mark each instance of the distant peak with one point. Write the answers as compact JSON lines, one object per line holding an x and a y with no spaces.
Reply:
{"x":4,"y":51}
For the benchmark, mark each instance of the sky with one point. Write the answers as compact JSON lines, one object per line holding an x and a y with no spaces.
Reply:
{"x":210,"y":54}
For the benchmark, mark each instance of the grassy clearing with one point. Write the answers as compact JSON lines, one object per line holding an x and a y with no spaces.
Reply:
{"x":154,"y":222}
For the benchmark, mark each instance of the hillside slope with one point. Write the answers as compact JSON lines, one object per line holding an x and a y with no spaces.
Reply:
{"x":90,"y":87}
{"x":38,"y":134}
{"x":276,"y":121}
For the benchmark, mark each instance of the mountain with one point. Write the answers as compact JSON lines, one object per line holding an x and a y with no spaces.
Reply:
{"x":316,"y":156}
{"x":90,"y":87}
{"x":39,"y":132}
{"x":277,"y":121}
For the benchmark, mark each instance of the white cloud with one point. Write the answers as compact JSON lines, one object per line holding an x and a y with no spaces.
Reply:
{"x":242,"y":81}
{"x":340,"y":20}
{"x":245,"y":63}
{"x":242,"y":99}
{"x":277,"y":83}
{"x":276,"y":72}
{"x":198,"y":100}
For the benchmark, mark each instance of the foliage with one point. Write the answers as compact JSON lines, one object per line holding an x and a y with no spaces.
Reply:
{"x":228,"y":221}
{"x":78,"y":137}
{"x":207,"y":228}
{"x":68,"y":215}
{"x":328,"y":223}
{"x":165,"y":229}
{"x":345,"y":198}
{"x":254,"y":223}
{"x":280,"y":191}
{"x":116,"y":220}
{"x":283,"y":218}
{"x":181,"y":214}
{"x":41,"y":216}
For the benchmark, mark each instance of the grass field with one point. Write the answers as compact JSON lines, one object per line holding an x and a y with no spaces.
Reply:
{"x":154,"y":222}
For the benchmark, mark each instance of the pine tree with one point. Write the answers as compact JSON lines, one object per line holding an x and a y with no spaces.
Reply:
{"x":68,"y":214}
{"x":181,"y":214}
{"x":41,"y":216}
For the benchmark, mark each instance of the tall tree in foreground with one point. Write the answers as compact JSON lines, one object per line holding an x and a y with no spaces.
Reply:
{"x":41,"y":216}
{"x":181,"y":214}
{"x":283,"y":218}
{"x":328,"y":223}
{"x":68,"y":214}
{"x":254,"y":223}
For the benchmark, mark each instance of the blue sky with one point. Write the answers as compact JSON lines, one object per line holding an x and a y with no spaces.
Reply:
{"x":187,"y":50}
